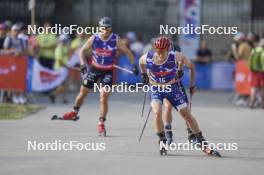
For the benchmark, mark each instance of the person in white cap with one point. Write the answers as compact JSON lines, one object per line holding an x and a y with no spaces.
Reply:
{"x":15,"y":46}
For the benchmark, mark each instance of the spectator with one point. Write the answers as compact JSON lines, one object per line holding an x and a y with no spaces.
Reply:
{"x":241,"y":48}
{"x":8,"y":25}
{"x":131,"y":37}
{"x":74,"y":61}
{"x":256,"y":68}
{"x":2,"y":37}
{"x":137,"y":46}
{"x":204,"y":54}
{"x":77,"y":42}
{"x":47,"y":43}
{"x":33,"y":48}
{"x":61,"y":60}
{"x":23,"y":35}
{"x":13,"y":45}
{"x":149,"y":46}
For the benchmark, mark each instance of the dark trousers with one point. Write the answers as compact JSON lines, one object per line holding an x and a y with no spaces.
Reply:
{"x":46,"y":62}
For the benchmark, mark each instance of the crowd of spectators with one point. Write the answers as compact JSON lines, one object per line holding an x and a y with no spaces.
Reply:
{"x":250,"y":48}
{"x":50,"y":50}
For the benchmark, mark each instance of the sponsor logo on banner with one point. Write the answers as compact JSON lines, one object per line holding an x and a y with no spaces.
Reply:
{"x":44,"y":79}
{"x":47,"y":77}
{"x":13,"y":71}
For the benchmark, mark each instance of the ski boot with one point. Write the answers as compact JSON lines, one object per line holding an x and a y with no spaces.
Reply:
{"x":67,"y":116}
{"x":191,"y":136}
{"x":101,"y":128}
{"x":168,"y":134}
{"x":163,"y":150}
{"x":169,"y":137}
{"x":203,"y":144}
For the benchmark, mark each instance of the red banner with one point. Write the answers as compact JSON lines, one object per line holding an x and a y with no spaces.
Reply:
{"x":242,"y":78}
{"x":13,"y":72}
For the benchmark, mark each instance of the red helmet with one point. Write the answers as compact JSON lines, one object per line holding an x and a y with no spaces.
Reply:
{"x":162,"y":42}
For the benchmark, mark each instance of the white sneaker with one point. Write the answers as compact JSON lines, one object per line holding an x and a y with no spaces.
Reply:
{"x":15,"y":99}
{"x":241,"y":102}
{"x":22,"y":99}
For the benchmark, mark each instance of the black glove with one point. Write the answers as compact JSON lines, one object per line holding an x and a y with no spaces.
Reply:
{"x":144,"y":78}
{"x":179,"y":74}
{"x":192,"y":89}
{"x":135,"y":69}
{"x":83,"y":70}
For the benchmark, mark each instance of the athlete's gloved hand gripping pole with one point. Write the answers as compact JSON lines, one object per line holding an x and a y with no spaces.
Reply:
{"x":145,"y":80}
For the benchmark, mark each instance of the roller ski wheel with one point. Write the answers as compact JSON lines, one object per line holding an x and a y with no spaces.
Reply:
{"x":55,"y":117}
{"x":210,"y":152}
{"x":200,"y":140}
{"x":101,"y":130}
{"x":103,"y":134}
{"x":71,"y":116}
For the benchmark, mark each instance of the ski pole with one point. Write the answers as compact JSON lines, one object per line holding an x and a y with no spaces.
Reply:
{"x":144,"y":102}
{"x":190,"y":106}
{"x":123,"y":69}
{"x":144,"y":126}
{"x":115,"y":66}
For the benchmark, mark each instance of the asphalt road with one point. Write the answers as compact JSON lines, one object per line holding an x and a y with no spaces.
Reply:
{"x":220,"y":121}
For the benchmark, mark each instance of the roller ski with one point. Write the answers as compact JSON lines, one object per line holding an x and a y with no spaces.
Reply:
{"x":162,"y":148}
{"x":203,"y":144}
{"x":71,"y":116}
{"x":101,"y":128}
